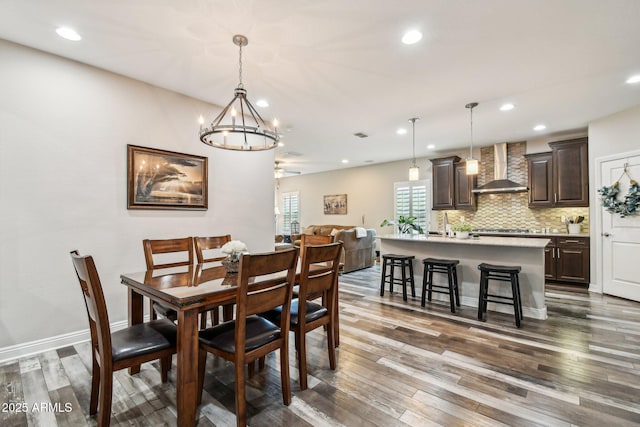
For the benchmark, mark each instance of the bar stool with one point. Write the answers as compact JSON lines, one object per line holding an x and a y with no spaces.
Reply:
{"x":445,"y":266}
{"x":501,"y":273}
{"x":405,"y":262}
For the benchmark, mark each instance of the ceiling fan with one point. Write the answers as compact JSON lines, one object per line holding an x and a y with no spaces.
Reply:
{"x":279,"y":172}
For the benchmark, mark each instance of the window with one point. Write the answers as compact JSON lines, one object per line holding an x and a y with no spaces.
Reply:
{"x":412,"y":198}
{"x":290,"y":211}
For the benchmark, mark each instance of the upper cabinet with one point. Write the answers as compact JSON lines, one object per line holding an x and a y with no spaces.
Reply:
{"x":560,"y":178}
{"x":451,"y":185}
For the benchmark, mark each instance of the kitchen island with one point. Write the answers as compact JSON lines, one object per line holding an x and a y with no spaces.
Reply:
{"x":525,"y":252}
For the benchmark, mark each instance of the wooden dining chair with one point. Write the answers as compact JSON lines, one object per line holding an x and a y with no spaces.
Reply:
{"x":203,"y":244}
{"x":184,"y":248}
{"x":121,"y":349}
{"x":313,"y":239}
{"x":318,"y":276}
{"x":249,"y":336}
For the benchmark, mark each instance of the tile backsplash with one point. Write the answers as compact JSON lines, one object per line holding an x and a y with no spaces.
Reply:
{"x":510,"y":210}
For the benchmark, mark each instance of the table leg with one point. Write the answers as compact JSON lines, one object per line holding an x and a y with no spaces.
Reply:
{"x":136,"y":313}
{"x":187,"y":378}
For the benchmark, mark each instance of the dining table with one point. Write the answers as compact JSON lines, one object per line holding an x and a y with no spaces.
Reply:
{"x":189,"y":290}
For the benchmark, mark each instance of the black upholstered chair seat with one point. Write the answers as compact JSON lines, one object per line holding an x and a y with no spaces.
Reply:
{"x":314,"y":311}
{"x":260,"y":331}
{"x":142,"y":339}
{"x":165,"y":311}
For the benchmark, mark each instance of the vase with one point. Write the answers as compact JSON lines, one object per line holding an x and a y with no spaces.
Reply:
{"x":230,"y":265}
{"x":574,"y":228}
{"x":462,"y":234}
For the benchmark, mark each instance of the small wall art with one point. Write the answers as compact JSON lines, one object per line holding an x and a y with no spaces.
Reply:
{"x":335,"y":204}
{"x":159,"y":179}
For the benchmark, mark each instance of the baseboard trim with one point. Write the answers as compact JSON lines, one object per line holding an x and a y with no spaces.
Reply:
{"x":14,"y":352}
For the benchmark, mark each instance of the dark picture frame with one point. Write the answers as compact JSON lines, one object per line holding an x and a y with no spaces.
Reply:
{"x":335,"y":204}
{"x":166,"y":180}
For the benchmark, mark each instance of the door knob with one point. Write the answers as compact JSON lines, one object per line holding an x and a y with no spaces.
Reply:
{"x":606,"y":234}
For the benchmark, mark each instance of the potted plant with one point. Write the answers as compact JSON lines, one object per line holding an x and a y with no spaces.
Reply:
{"x":405,"y":225}
{"x":462,"y":229}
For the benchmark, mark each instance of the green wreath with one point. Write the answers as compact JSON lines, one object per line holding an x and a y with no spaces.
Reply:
{"x":629,"y":206}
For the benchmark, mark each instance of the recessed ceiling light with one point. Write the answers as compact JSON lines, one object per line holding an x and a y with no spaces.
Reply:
{"x":634,"y":79}
{"x":507,"y":107}
{"x":431,"y":146}
{"x":539,"y":127}
{"x":412,"y":37}
{"x":280,"y":144}
{"x":262,"y":103}
{"x":401,"y":131}
{"x":345,"y":161}
{"x":68,"y":33}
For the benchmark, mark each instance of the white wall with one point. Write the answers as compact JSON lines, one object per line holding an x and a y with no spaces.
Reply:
{"x":64,"y":128}
{"x":615,"y":134}
{"x":369,"y":192}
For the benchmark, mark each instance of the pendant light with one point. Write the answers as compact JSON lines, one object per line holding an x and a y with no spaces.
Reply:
{"x":414,"y":170}
{"x":251,"y":133}
{"x":472,"y":164}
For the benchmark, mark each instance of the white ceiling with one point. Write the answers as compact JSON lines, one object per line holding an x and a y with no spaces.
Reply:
{"x":331,"y":68}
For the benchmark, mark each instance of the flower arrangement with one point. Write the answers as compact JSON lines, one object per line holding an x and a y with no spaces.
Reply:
{"x":405,"y":224}
{"x":234,"y":249}
{"x":462,"y":226}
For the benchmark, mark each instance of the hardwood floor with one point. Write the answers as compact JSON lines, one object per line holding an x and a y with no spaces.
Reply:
{"x":398,"y":364}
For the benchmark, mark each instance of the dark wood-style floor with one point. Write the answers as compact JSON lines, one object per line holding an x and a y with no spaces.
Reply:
{"x":398,"y":364}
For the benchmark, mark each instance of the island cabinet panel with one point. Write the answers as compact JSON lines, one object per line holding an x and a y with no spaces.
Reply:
{"x":571,"y":172}
{"x":540,"y":167}
{"x":567,"y":259}
{"x":452,"y":187}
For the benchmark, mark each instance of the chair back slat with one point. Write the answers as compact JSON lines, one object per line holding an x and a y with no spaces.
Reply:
{"x":319,"y":271}
{"x":203,"y":244}
{"x":313,"y":239}
{"x":168,"y":246}
{"x":94,"y":302}
{"x":259,"y":291}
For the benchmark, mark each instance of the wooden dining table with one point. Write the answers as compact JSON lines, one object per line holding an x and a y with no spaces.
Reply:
{"x":189,"y":290}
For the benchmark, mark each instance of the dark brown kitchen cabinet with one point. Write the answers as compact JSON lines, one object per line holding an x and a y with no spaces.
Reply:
{"x":570,"y":173}
{"x":540,"y":167}
{"x":559,"y":178}
{"x":451,"y":185}
{"x":463,"y":184}
{"x":567,"y":259}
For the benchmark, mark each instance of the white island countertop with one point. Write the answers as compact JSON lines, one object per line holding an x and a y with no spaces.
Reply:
{"x":522,"y":242}
{"x":527,"y":253}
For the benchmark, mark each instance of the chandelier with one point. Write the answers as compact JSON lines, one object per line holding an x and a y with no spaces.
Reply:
{"x":239,"y":126}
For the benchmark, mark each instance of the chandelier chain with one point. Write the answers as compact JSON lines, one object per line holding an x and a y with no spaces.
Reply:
{"x":240,"y":67}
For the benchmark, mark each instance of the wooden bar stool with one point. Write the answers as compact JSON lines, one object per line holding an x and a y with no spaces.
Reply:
{"x":501,"y":273}
{"x":445,"y":266}
{"x":405,"y":262}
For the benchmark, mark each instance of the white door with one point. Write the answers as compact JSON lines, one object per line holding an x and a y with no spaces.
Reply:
{"x":620,"y":236}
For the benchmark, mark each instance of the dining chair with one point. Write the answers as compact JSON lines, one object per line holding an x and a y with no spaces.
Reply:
{"x":318,"y":276}
{"x":203,"y":244}
{"x":183,"y":247}
{"x":249,"y":336}
{"x":314,"y":239}
{"x":124,"y":348}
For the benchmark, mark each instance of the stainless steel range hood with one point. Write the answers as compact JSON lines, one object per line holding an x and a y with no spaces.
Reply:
{"x":500,"y":184}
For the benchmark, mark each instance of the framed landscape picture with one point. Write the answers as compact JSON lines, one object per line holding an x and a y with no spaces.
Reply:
{"x":335,"y":204}
{"x":159,"y":179}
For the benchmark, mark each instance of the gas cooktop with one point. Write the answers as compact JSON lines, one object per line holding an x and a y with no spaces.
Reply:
{"x":502,"y":230}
